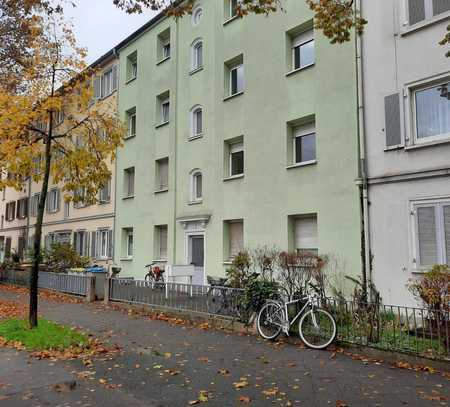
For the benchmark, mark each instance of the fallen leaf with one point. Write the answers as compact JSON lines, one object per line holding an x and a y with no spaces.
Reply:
{"x":244,"y":399}
{"x":340,"y":403}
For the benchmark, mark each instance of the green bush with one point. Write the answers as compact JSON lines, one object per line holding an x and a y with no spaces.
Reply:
{"x":63,"y":256}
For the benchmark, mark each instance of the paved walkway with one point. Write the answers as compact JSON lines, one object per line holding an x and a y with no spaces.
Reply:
{"x":173,"y":365}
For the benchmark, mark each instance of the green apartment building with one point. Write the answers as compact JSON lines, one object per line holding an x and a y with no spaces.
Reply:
{"x":241,"y":133}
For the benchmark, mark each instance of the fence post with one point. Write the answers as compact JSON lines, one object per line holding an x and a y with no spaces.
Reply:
{"x":106,"y":288}
{"x":167,"y":290}
{"x":90,"y":292}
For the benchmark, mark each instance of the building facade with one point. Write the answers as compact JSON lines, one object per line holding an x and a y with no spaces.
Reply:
{"x":241,"y":133}
{"x":407,"y":125}
{"x":88,"y":227}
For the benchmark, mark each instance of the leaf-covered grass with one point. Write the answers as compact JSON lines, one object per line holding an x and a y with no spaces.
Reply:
{"x":47,"y":336}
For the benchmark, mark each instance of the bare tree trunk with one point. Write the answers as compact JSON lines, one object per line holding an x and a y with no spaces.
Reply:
{"x":33,"y":312}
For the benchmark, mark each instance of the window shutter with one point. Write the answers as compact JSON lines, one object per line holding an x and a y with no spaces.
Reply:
{"x":75,"y":242}
{"x":86,"y":244}
{"x":440,"y":6}
{"x":306,"y":234}
{"x":110,"y":244}
{"x":97,"y":88}
{"x":426,"y":232}
{"x":13,"y":210}
{"x":446,"y":210}
{"x":25,"y":211}
{"x":93,"y":245}
{"x":47,"y":205}
{"x":416,"y":11}
{"x":114,"y":77}
{"x":108,"y":191}
{"x":19,"y":204}
{"x":58,"y":200}
{"x":392,"y":120}
{"x":236,"y":238}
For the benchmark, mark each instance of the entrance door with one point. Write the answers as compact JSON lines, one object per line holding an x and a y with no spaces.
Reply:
{"x":197,"y":257}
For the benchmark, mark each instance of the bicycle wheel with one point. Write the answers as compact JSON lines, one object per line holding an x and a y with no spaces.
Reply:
{"x":270,"y":320}
{"x":214,"y":301}
{"x":317,"y":329}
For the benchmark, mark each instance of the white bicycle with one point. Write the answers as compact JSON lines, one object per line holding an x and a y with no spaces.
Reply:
{"x":316,"y":327}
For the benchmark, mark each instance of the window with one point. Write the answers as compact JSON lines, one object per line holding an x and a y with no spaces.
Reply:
{"x":163,"y":48}
{"x":162,"y":174}
{"x":304,"y":148}
{"x":58,"y":117}
{"x":303,"y":50}
{"x":196,"y":186}
{"x":109,"y":81}
{"x":104,"y":195}
{"x":196,"y":55}
{"x":103,"y":243}
{"x":197,"y":14}
{"x":161,"y":242}
{"x":422,"y":10}
{"x":128,"y":247}
{"x":22,"y":208}
{"x":230,"y":9}
{"x":163,"y":108}
{"x":236,"y":79}
{"x":196,"y":121}
{"x":131,"y":122}
{"x":34,"y":205}
{"x":10,"y":211}
{"x":432,"y":230}
{"x":306,"y":239}
{"x":432,"y":112}
{"x":53,"y":200}
{"x":80,"y":198}
{"x":235,"y":231}
{"x":129,"y":182}
{"x":81,"y":242}
{"x":132,"y":66}
{"x":236,"y":159}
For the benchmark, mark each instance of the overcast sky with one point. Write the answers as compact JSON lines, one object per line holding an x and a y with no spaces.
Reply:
{"x":99,"y":25}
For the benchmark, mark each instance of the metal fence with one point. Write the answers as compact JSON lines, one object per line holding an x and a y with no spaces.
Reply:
{"x":65,"y":283}
{"x":417,"y":331}
{"x":223,"y":301}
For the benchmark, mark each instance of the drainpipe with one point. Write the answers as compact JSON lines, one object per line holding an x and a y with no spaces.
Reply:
{"x":363,"y":182}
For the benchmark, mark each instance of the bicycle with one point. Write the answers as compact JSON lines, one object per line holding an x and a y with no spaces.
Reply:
{"x":155,"y":275}
{"x":316,"y":327}
{"x":222,"y":300}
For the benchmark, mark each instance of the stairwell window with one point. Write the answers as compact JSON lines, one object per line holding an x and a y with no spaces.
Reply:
{"x":132,"y":66}
{"x":196,"y":121}
{"x":197,"y":15}
{"x":131,"y":123}
{"x":236,"y":159}
{"x":196,"y":186}
{"x":129,"y":242}
{"x":162,"y":109}
{"x":163,"y":49}
{"x":431,"y":111}
{"x":432,"y":233}
{"x":196,"y":55}
{"x":161,"y":242}
{"x":235,"y":80}
{"x":129,"y":183}
{"x":162,"y":175}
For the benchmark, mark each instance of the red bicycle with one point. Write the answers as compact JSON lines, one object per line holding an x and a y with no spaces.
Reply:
{"x":155,"y":275}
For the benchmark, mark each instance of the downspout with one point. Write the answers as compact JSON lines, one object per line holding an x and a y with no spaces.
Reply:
{"x":175,"y":109}
{"x":115,"y":231}
{"x":364,"y":187}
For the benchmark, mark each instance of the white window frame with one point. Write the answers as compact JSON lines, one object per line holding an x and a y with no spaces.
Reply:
{"x":302,"y":131}
{"x":159,"y":228}
{"x":165,"y":102}
{"x":411,"y":98}
{"x":131,"y":115}
{"x":102,"y":250}
{"x":232,"y":10}
{"x":160,"y":186}
{"x":236,"y":68}
{"x":195,"y":63}
{"x":300,"y":40}
{"x":194,"y":130}
{"x":429,"y":17}
{"x":236,"y":148}
{"x":232,"y":255}
{"x":127,"y":190}
{"x":83,"y":246}
{"x":129,"y":233}
{"x":165,"y":45}
{"x":107,"y":77}
{"x":193,"y":187}
{"x":34,"y":204}
{"x":106,"y":190}
{"x":440,"y":232}
{"x":132,"y":61}
{"x":53,"y":198}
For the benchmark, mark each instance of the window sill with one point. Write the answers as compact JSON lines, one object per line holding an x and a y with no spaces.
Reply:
{"x":160,"y":261}
{"x":128,"y":81}
{"x":394,"y":148}
{"x":104,"y":202}
{"x":192,"y":138}
{"x":163,"y":60}
{"x":227,"y":263}
{"x":161,"y":124}
{"x":233,"y":96}
{"x":232,"y":177}
{"x":303,"y":68}
{"x":195,"y":202}
{"x":126,"y":259}
{"x":229,"y":20}
{"x":193,"y":71}
{"x":428,"y":144}
{"x":160,"y":191}
{"x":129,"y":137}
{"x":423,"y":24}
{"x":127,"y":197}
{"x":303,"y":164}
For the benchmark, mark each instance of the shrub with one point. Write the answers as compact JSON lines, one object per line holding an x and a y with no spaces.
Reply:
{"x":63,"y":256}
{"x":433,"y":289}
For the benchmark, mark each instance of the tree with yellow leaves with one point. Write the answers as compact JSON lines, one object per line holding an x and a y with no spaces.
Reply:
{"x":50,"y":129}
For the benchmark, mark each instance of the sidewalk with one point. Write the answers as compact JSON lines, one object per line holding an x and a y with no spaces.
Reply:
{"x":172,"y":365}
